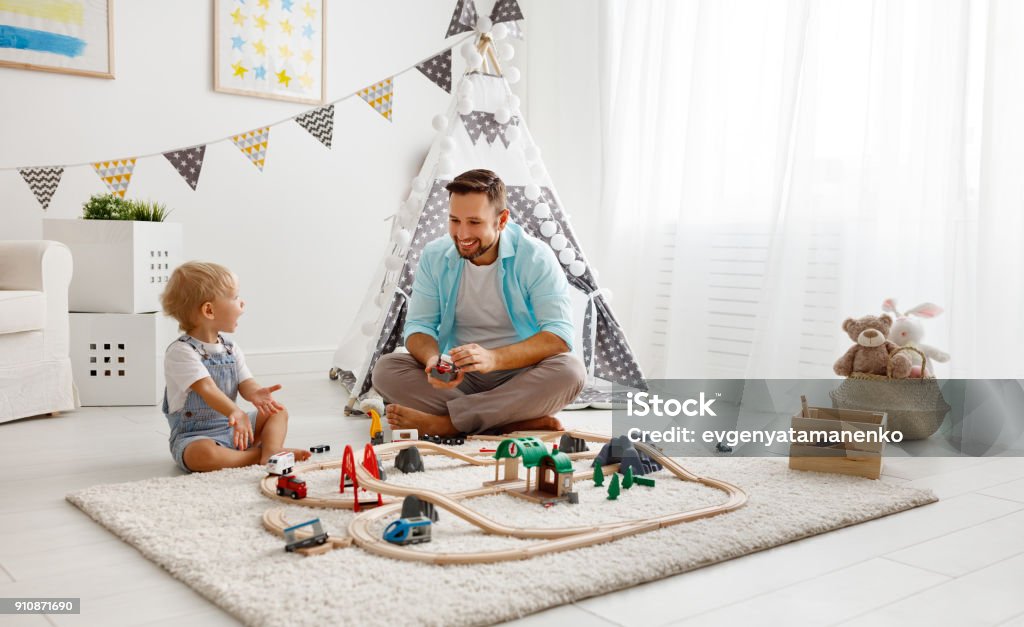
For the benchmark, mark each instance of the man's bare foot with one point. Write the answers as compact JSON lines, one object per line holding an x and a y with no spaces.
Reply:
{"x":301,"y":455}
{"x":400,"y":417}
{"x":544,"y":423}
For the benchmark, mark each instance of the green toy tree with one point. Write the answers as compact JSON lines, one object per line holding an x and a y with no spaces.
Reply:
{"x":598,"y":474}
{"x":627,"y":478}
{"x":613,"y":489}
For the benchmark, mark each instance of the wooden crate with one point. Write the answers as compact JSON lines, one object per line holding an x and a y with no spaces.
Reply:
{"x":862,"y":459}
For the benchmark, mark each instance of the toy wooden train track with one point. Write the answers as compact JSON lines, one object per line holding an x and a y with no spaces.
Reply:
{"x":554,"y":540}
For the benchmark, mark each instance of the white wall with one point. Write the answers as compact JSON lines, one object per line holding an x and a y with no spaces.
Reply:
{"x":305,"y":234}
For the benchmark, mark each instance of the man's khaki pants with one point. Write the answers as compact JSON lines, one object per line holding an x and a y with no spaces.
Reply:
{"x":483,"y":401}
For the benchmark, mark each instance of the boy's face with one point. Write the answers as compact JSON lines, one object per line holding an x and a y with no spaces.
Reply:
{"x":475,"y":227}
{"x":226,"y":310}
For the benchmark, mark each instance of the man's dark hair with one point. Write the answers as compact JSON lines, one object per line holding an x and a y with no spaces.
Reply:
{"x":480,"y":181}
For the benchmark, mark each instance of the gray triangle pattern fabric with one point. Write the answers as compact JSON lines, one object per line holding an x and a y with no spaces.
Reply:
{"x":439,"y":70}
{"x":483,"y":123}
{"x":43,"y":182}
{"x":506,"y":11}
{"x":319,"y":123}
{"x":613,"y":359}
{"x":464,"y":18}
{"x":474,"y":124}
{"x":189,"y":163}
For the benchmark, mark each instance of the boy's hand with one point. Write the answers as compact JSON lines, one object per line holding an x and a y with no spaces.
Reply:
{"x":239,"y":421}
{"x":264,"y":402}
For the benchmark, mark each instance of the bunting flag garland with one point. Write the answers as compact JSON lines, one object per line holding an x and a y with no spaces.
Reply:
{"x":188,"y":162}
{"x":379,"y":96}
{"x":483,"y":123}
{"x":463,"y":18}
{"x":43,"y":182}
{"x":506,"y":11}
{"x":116,"y":174}
{"x":254,"y":145}
{"x":439,"y":70}
{"x":319,"y":123}
{"x":515,"y":30}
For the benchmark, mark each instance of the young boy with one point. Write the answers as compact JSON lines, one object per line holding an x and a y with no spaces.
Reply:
{"x":205,"y":372}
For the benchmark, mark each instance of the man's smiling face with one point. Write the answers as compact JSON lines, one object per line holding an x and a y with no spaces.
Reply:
{"x":475,"y":227}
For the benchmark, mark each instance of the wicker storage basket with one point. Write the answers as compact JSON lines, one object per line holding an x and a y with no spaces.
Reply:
{"x":915,"y":407}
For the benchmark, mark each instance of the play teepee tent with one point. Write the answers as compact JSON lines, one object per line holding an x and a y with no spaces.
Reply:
{"x":483,"y":129}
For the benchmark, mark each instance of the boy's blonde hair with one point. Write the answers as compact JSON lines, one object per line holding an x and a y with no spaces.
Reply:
{"x":192,"y":284}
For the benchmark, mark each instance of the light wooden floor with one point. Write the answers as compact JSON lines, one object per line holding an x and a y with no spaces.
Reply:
{"x":957,"y":562}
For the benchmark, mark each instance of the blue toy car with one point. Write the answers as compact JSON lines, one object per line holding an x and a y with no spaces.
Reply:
{"x":408,"y":530}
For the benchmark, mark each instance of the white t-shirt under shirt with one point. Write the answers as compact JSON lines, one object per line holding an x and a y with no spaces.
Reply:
{"x":481,"y":316}
{"x":183,"y":366}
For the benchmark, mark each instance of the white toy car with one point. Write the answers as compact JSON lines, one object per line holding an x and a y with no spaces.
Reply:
{"x":281,"y":463}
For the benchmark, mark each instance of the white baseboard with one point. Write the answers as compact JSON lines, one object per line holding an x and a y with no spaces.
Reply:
{"x":289,"y":361}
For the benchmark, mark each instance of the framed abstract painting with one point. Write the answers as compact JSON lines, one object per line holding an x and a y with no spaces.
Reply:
{"x":270,"y":48}
{"x":68,"y":36}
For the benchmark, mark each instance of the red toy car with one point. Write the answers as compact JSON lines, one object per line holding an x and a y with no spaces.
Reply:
{"x":290,"y":485}
{"x":445,"y":370}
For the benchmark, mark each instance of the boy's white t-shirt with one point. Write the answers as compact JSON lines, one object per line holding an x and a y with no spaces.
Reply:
{"x":183,"y":366}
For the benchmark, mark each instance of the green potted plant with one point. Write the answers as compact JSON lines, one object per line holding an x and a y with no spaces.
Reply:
{"x":113,"y":207}
{"x":124,"y":253}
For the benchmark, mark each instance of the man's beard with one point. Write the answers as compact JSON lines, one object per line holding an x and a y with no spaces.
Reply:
{"x":476,"y":254}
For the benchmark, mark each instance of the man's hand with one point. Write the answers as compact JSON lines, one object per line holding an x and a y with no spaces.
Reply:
{"x":239,"y":420}
{"x":263,"y":400}
{"x":438,"y":383}
{"x":474,"y":358}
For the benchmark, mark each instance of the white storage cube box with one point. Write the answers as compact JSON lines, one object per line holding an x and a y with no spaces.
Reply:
{"x":118,"y":359}
{"x":120,"y":266}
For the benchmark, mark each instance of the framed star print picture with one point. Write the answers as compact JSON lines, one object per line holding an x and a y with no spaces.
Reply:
{"x":67,"y":36}
{"x":270,"y":48}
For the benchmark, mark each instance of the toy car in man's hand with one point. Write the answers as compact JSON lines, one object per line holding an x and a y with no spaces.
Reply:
{"x":445,"y":369}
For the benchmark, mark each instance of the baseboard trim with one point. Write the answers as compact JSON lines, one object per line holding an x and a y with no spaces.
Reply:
{"x":289,"y":361}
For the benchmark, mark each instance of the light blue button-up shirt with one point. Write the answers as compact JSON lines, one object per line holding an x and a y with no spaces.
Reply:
{"x":533,"y":286}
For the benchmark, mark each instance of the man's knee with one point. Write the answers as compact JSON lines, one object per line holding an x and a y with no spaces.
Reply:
{"x":570,"y":371}
{"x":388,"y":370}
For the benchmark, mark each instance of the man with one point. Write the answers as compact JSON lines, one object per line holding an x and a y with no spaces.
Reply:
{"x":496,"y":300}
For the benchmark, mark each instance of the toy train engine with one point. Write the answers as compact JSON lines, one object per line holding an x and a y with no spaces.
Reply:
{"x":408,"y":530}
{"x":281,"y":464}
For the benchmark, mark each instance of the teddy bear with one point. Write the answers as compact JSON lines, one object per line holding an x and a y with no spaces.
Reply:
{"x":872,"y":350}
{"x":907,"y":331}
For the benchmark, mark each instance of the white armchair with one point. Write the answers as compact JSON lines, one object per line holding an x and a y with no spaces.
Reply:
{"x":35,"y":365}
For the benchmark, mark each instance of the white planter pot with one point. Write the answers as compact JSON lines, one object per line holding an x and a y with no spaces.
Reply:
{"x":120,"y":266}
{"x":118,"y":359}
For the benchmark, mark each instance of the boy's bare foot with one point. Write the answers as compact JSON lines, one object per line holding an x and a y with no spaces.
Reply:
{"x":544,"y":423}
{"x":400,"y":417}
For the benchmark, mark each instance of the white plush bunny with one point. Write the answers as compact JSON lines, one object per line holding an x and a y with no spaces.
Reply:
{"x":907,"y":331}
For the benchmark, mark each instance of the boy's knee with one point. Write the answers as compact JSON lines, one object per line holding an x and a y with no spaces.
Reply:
{"x":199,"y":455}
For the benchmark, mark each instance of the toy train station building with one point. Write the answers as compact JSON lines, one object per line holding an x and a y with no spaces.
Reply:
{"x":554,"y":474}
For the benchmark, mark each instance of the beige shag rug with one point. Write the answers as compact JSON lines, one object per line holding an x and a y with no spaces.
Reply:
{"x":206,"y":530}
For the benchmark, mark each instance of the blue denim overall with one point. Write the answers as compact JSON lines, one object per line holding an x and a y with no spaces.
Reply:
{"x":196,"y":420}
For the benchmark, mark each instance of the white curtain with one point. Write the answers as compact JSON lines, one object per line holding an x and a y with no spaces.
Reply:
{"x":771,"y":167}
